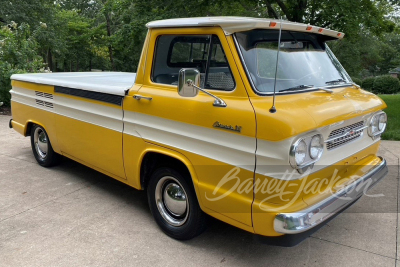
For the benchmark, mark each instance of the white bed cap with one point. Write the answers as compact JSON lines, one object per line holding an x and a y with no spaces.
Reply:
{"x":231,"y":25}
{"x":115,"y":83}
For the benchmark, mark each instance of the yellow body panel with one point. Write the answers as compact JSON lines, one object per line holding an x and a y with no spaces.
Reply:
{"x":23,"y":114}
{"x":34,"y":86}
{"x":92,"y":144}
{"x":299,"y":113}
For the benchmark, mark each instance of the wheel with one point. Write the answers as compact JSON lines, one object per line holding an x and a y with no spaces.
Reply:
{"x":174,"y":204}
{"x":41,"y":147}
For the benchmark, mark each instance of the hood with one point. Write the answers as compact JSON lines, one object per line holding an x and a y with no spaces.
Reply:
{"x":301,"y":112}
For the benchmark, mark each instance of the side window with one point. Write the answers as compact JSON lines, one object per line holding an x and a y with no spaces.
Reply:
{"x":203,"y":52}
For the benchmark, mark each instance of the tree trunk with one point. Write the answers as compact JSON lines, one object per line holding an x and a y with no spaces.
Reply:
{"x":110,"y":51}
{"x":49,"y":60}
{"x":271,"y":11}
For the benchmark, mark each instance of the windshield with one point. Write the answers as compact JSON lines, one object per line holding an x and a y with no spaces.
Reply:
{"x":305,"y":61}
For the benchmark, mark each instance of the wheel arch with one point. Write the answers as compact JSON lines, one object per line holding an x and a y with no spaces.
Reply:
{"x":155,"y":158}
{"x":28,"y":127}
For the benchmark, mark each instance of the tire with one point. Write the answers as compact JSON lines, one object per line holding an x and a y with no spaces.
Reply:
{"x":41,"y":147}
{"x":174,"y":204}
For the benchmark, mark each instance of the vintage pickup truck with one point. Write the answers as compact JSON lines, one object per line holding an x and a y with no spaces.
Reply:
{"x":252,"y":121}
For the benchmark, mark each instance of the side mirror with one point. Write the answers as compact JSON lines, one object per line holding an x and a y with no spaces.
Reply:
{"x":188,"y":80}
{"x":189,"y":86}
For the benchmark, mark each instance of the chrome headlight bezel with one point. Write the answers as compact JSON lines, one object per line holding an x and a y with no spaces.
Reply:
{"x":374,"y":130}
{"x":316,"y":143}
{"x":309,"y":161}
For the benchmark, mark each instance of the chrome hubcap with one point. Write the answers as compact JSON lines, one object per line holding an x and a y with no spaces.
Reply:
{"x":171,"y":201}
{"x":40,"y":142}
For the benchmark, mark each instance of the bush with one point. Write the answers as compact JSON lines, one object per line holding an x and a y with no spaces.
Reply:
{"x":386,"y":84}
{"x":357,"y":81}
{"x":368,"y":83}
{"x":17,"y":55}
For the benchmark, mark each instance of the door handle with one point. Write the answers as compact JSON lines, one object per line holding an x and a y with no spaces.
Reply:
{"x":138,"y":97}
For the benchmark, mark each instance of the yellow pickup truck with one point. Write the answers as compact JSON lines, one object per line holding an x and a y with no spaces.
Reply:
{"x":251,"y":121}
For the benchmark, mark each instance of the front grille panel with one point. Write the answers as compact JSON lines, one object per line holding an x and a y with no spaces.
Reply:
{"x":339,"y":137}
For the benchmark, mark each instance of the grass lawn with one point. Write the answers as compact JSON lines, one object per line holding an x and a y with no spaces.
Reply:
{"x":393,"y":112}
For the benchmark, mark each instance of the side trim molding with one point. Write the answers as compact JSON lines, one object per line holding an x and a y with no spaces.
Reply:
{"x":108,"y":98}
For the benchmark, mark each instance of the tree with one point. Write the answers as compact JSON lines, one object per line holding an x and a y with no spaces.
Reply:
{"x":17,"y":55}
{"x":342,"y":15}
{"x":25,"y":11}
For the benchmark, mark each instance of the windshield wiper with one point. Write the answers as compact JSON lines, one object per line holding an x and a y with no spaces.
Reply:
{"x":336,"y":81}
{"x":298,"y":87}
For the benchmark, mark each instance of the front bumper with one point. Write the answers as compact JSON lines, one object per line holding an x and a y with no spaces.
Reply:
{"x":307,"y":219}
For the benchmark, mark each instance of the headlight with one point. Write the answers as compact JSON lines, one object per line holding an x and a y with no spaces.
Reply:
{"x":300,"y":152}
{"x":305,"y":151}
{"x":382,"y":122}
{"x":316,"y":146}
{"x":377,"y":124}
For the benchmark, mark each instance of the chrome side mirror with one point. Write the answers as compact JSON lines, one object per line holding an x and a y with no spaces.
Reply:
{"x":188,"y":80}
{"x":189,"y":86}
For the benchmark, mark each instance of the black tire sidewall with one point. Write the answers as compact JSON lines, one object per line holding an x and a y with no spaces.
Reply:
{"x":195,"y":223}
{"x":51,"y":158}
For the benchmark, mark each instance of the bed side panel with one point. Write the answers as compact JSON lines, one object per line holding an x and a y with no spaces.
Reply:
{"x":34,"y":103}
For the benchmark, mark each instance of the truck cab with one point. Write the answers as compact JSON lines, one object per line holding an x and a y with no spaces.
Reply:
{"x":251,"y":121}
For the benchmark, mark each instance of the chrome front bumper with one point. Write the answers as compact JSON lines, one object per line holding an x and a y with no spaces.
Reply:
{"x":304,"y":220}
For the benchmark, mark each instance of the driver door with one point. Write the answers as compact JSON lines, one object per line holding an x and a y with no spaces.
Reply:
{"x":223,"y":158}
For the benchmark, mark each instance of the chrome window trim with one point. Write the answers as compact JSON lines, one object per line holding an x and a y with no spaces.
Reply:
{"x":152,"y":82}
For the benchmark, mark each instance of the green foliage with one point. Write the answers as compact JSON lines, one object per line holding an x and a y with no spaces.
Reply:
{"x":368,"y":83}
{"x":366,"y":54}
{"x":357,"y":80}
{"x":386,"y":84}
{"x":75,"y":49}
{"x":393,"y":112}
{"x":17,"y":55}
{"x":81,"y":35}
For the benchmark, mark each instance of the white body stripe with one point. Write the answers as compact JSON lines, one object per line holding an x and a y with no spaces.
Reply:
{"x":225,"y":147}
{"x":104,"y":116}
{"x":219,"y":145}
{"x":107,"y":117}
{"x":273,"y":158}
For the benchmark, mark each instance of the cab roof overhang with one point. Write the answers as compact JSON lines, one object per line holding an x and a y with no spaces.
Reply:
{"x":231,"y":25}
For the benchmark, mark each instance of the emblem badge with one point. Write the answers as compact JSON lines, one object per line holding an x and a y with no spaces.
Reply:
{"x":235,"y":128}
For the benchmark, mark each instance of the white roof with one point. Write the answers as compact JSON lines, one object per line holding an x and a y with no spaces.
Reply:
{"x":231,"y":25}
{"x":115,"y":83}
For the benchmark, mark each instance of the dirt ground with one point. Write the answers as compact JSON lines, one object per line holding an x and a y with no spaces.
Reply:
{"x":5,"y":111}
